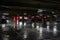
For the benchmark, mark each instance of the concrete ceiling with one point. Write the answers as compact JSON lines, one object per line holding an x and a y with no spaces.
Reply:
{"x":30,"y":6}
{"x":52,"y":4}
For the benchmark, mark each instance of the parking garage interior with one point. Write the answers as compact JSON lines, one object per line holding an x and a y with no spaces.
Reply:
{"x":29,"y":20}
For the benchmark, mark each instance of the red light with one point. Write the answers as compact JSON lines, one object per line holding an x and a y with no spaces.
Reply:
{"x":15,"y":18}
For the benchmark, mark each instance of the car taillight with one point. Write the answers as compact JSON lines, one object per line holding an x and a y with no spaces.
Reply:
{"x":15,"y":18}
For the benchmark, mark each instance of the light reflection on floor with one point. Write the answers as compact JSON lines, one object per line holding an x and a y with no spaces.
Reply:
{"x":43,"y":33}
